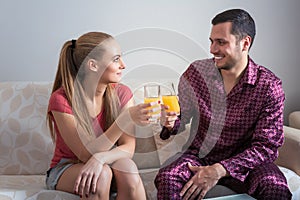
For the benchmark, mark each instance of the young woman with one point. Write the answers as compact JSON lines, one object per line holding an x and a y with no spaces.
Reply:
{"x":91,"y":118}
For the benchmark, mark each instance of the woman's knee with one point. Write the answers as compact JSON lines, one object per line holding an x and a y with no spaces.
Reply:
{"x":104,"y":182}
{"x":126,"y":175}
{"x":107,"y":172}
{"x":125,"y":165}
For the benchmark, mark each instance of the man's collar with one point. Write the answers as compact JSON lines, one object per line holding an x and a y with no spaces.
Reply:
{"x":249,"y":77}
{"x":250,"y":74}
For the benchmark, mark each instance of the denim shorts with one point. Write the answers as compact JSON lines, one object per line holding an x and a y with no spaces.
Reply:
{"x":54,"y":173}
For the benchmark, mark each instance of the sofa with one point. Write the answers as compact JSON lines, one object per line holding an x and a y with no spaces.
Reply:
{"x":26,"y":147}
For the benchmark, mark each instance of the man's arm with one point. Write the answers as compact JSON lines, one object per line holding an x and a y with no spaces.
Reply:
{"x":267,"y":136}
{"x":187,"y":100}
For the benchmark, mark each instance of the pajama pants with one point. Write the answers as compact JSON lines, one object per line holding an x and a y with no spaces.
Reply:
{"x":264,"y":182}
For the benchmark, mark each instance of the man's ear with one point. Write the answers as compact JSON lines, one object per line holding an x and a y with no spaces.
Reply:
{"x":92,"y":65}
{"x":246,"y":43}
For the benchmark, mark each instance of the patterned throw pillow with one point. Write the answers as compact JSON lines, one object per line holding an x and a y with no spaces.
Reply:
{"x":25,"y":143}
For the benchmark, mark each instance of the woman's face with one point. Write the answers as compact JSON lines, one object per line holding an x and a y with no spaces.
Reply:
{"x":111,"y":63}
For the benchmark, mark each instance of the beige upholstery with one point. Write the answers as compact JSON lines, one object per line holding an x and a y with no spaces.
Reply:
{"x":26,"y":147}
{"x":290,"y":151}
{"x":289,"y":154}
{"x":294,"y":119}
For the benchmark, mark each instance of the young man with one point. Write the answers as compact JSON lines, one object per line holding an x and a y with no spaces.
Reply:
{"x":236,"y":108}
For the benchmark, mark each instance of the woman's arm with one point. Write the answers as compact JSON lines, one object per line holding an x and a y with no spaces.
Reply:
{"x":125,"y":148}
{"x":83,"y":147}
{"x":66,"y":124}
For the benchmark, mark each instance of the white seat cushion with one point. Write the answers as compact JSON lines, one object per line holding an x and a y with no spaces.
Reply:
{"x":19,"y":187}
{"x":293,"y":182}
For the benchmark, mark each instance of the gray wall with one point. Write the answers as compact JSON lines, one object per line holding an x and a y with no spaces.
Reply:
{"x":32,"y":32}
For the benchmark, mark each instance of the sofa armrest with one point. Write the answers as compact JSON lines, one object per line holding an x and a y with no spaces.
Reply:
{"x":294,"y":119}
{"x":289,"y":153}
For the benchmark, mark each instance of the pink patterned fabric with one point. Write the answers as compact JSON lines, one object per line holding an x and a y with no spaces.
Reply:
{"x":241,"y":130}
{"x":58,"y":102}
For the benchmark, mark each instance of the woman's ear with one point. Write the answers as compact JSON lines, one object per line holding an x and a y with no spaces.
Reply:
{"x":92,"y":65}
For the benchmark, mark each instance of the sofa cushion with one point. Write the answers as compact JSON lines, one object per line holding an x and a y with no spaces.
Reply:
{"x":294,"y":119}
{"x":25,"y":143}
{"x":293,"y":181}
{"x":145,"y":155}
{"x":15,"y":187}
{"x":290,"y":151}
{"x":32,"y":187}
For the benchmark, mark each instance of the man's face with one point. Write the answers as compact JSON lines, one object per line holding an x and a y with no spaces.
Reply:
{"x":224,"y":46}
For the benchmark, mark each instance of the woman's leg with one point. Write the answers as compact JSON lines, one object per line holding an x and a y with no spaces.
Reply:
{"x":67,"y":180}
{"x":128,"y":180}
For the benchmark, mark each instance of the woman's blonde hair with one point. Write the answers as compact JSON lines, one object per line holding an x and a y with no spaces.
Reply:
{"x":74,"y":54}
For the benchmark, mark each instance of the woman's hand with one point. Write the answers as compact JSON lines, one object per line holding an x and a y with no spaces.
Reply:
{"x":88,"y":176}
{"x":140,"y":113}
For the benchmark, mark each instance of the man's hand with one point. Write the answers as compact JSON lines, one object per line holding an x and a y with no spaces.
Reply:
{"x":168,"y":118}
{"x":205,"y":177}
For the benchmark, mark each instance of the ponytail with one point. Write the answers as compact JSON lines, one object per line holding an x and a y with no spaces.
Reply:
{"x":65,"y":76}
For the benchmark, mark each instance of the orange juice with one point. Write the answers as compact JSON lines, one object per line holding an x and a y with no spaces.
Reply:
{"x":172,"y":102}
{"x":155,"y":115}
{"x":153,"y":99}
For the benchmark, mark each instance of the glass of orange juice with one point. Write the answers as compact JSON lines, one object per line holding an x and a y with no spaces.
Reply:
{"x":152,"y":94}
{"x":170,"y":98}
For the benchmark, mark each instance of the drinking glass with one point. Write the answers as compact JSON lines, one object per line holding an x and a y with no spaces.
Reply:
{"x":170,"y":98}
{"x":152,"y":94}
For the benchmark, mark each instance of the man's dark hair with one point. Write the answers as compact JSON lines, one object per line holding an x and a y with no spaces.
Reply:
{"x":242,"y":23}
